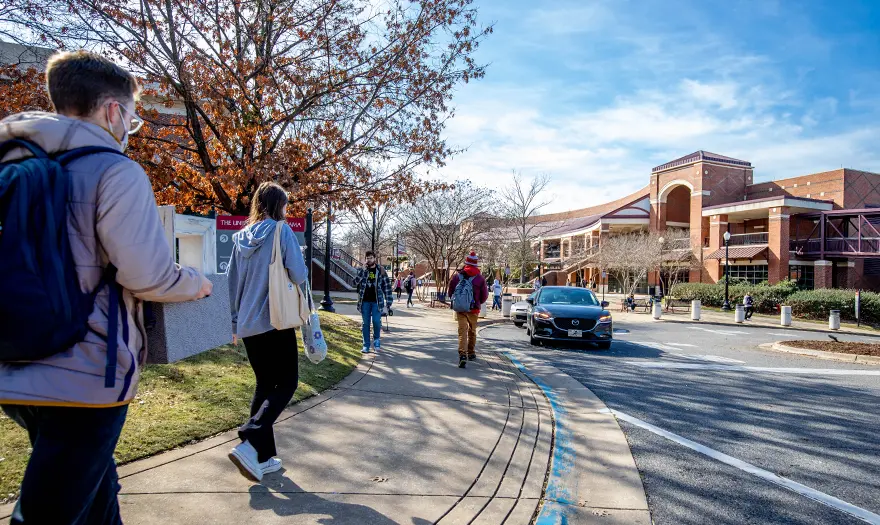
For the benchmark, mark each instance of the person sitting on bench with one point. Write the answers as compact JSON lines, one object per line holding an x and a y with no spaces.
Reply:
{"x":631,"y":303}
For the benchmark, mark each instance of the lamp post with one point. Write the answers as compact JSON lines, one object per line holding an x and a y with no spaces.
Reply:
{"x":726,"y":305}
{"x":660,"y":241}
{"x":327,"y":302}
{"x":373,"y":234}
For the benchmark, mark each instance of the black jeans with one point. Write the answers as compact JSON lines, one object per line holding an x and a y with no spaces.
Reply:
{"x":275,"y":361}
{"x":71,"y":476}
{"x":409,"y":300}
{"x":749,"y":310}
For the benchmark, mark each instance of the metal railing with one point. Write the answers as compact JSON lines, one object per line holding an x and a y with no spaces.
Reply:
{"x":836,"y":245}
{"x":349,"y":276}
{"x":748,"y":239}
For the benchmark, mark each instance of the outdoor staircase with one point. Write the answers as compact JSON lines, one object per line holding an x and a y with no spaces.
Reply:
{"x":343,"y":266}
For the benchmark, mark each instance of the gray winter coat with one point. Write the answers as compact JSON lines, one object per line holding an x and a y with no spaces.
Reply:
{"x":249,"y":274}
{"x":112,"y":218}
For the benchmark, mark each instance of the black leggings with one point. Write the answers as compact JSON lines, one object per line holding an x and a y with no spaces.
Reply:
{"x":274,"y":358}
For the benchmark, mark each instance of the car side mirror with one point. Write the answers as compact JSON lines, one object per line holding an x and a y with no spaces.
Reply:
{"x":604,"y":304}
{"x":530,"y":300}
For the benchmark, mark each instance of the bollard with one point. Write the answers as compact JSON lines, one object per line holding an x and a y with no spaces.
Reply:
{"x":482,"y":310}
{"x":785,"y":315}
{"x":695,"y":310}
{"x":739,"y":315}
{"x":506,"y":304}
{"x":657,"y":309}
{"x":834,"y":320}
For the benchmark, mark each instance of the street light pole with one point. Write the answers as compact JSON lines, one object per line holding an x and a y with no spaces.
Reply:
{"x":309,"y":235}
{"x":327,"y":302}
{"x":726,"y":305}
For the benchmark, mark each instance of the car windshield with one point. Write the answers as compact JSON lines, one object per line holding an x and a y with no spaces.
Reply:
{"x":576,"y":296}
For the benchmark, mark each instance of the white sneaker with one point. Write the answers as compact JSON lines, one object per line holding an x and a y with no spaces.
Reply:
{"x":244,"y":456}
{"x":377,"y":344}
{"x":272,"y":465}
{"x":365,"y":350}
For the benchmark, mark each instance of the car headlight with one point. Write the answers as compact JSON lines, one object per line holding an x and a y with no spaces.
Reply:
{"x":543,"y":315}
{"x":605,"y":319}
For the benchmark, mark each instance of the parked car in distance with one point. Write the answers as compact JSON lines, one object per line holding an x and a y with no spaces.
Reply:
{"x":566,"y":313}
{"x":519,"y":311}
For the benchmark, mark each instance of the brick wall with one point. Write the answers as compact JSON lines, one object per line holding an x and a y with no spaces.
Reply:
{"x":828,"y":185}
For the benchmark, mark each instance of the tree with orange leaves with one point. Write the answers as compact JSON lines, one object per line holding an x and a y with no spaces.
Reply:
{"x":343,"y":100}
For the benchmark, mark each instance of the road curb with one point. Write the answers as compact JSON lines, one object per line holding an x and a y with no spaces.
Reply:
{"x":771,"y":327}
{"x":593,"y":477}
{"x":820,"y":354}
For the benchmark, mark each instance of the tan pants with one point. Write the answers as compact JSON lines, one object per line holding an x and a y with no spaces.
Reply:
{"x":467,"y":333}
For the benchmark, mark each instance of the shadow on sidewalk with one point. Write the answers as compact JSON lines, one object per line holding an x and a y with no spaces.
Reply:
{"x":288,"y":499}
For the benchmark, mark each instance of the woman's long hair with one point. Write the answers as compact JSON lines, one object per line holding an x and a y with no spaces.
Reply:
{"x":268,"y":203}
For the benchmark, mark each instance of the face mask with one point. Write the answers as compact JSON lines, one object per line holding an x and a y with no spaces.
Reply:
{"x":124,"y":141}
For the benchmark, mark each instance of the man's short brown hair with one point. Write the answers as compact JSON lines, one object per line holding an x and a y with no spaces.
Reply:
{"x":79,"y":82}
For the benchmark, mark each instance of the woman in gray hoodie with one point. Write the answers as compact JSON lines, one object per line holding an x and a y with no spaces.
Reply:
{"x":272,"y":353}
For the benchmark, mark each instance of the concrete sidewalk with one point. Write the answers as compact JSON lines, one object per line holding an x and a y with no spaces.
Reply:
{"x":407,"y":438}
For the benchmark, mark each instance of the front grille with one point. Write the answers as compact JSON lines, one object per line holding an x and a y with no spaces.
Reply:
{"x":566,"y":323}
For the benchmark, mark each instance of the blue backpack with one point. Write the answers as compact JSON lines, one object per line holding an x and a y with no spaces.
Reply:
{"x":43,"y":312}
{"x":463,"y":295}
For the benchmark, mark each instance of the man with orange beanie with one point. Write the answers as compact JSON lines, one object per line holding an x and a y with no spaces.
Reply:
{"x":467,"y":291}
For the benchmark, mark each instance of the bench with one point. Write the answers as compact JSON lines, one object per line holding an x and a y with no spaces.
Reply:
{"x":672,"y":304}
{"x":644,"y":304}
{"x":438,"y":297}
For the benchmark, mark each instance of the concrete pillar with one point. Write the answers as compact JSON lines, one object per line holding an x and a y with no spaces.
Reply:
{"x":822,"y":276}
{"x":717,"y":227}
{"x":778,"y":248}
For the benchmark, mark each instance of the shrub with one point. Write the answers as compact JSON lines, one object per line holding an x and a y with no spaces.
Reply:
{"x":816,"y":304}
{"x":807,"y":304}
{"x":764,"y":297}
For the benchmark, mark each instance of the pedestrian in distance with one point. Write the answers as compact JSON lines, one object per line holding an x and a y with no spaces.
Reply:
{"x":496,"y":294}
{"x":68,"y":374}
{"x":543,"y":282}
{"x":748,"y":305}
{"x":409,"y":284}
{"x":536,"y":285}
{"x":398,"y":287}
{"x":272,"y":353}
{"x":468,"y":291}
{"x":374,"y":296}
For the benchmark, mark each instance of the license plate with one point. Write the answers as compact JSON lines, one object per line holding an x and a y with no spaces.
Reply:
{"x":575,"y":333}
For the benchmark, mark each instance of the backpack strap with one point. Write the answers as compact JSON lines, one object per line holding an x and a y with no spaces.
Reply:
{"x":109,"y":279}
{"x":69,"y":156}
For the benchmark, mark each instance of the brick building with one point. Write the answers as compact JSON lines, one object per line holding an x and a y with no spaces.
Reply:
{"x":822,"y":230}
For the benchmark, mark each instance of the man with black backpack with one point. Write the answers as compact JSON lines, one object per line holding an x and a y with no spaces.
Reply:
{"x":82,"y":247}
{"x":467,"y":292}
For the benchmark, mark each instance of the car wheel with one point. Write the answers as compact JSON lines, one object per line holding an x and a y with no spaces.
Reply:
{"x":603,"y":345}
{"x":518,"y":325}
{"x":533,"y":341}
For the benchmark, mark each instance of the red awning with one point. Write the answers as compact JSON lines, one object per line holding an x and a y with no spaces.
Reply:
{"x":740,"y":252}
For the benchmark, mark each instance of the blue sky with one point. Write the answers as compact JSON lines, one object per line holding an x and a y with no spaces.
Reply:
{"x":596,"y":93}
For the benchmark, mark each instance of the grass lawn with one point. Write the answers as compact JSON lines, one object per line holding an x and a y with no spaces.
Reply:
{"x":194,"y":399}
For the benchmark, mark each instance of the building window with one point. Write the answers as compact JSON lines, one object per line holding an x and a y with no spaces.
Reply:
{"x":803,"y":275}
{"x":750,"y":273}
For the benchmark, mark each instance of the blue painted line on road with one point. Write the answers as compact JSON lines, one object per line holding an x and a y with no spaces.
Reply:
{"x":557,"y":498}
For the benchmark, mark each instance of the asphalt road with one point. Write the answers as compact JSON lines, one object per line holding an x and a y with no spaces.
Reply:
{"x":757,"y":413}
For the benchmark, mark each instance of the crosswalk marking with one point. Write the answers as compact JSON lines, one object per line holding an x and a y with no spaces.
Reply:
{"x":721,"y":332}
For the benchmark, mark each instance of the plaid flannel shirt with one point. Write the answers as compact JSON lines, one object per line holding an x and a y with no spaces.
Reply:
{"x":383,"y":287}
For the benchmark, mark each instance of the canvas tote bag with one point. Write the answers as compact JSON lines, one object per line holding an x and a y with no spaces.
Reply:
{"x":288,"y":307}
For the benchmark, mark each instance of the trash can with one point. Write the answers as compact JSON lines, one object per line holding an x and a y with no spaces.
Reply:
{"x":739,"y":315}
{"x":657,"y":309}
{"x":506,"y":304}
{"x":695,"y":310}
{"x":834,"y":320}
{"x":785,"y":315}
{"x":482,"y":310}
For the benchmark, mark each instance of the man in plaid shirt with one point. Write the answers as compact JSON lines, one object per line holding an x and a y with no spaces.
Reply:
{"x":374,"y":295}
